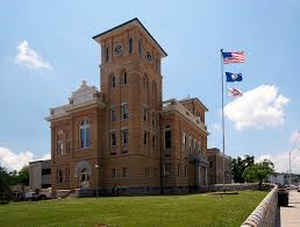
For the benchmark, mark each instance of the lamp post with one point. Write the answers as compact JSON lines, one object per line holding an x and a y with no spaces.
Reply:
{"x":290,"y":155}
{"x":97,"y":175}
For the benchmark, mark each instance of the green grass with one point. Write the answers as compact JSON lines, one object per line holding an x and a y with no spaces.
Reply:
{"x":185,"y":210}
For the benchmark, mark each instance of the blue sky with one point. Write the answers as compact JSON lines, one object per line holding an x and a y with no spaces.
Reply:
{"x":191,"y":32}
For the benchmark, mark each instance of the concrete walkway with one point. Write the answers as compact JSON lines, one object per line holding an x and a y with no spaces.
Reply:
{"x":290,"y":216}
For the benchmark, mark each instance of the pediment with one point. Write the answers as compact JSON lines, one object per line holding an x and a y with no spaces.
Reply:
{"x":83,"y":94}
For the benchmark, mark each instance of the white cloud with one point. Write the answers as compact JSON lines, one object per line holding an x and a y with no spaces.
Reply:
{"x":16,"y":161}
{"x":258,"y":108}
{"x":281,"y":160}
{"x":29,"y":57}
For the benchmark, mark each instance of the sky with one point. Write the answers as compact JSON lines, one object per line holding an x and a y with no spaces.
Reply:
{"x":47,"y":50}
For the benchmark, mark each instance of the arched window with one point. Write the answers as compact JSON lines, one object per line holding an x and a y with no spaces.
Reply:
{"x":168,"y":137}
{"x":123,"y":79}
{"x":107,"y":54}
{"x":124,"y":111}
{"x":140,"y":47}
{"x":60,"y":142}
{"x":60,"y":176}
{"x":84,"y":176}
{"x":113,"y":81}
{"x":130,"y":42}
{"x":84,"y":134}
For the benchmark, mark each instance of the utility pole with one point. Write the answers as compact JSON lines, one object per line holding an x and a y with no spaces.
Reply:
{"x":290,"y":157}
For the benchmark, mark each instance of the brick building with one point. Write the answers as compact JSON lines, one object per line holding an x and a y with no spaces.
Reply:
{"x":215,"y":170}
{"x":124,"y":134}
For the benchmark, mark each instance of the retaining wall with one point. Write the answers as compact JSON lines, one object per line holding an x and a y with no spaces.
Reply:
{"x":228,"y":187}
{"x":266,"y":212}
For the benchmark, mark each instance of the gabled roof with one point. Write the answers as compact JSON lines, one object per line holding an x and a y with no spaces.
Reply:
{"x":134,"y":21}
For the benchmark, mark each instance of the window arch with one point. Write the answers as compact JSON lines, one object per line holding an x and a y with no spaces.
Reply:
{"x":84,"y":133}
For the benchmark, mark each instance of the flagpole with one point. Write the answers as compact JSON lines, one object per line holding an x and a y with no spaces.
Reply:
{"x":223,"y":120}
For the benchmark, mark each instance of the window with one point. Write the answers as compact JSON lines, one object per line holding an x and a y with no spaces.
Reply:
{"x":145,"y":137}
{"x":59,"y":147}
{"x":107,"y":54}
{"x":46,"y":171}
{"x":185,"y":171}
{"x":167,"y":170}
{"x":130,"y":42}
{"x":113,"y":114}
{"x":178,"y":171}
{"x":125,"y":78}
{"x":67,"y":175}
{"x":153,"y":120}
{"x":140,"y":47}
{"x":145,"y":114}
{"x":168,"y":139}
{"x":147,"y":172}
{"x":113,"y":81}
{"x":113,"y":139}
{"x":124,"y":111}
{"x":60,"y":176}
{"x":84,"y":134}
{"x":124,"y":135}
{"x":183,"y":138}
{"x":60,"y":142}
{"x":125,"y":172}
{"x":114,"y":172}
{"x":211,"y":164}
{"x":153,"y":143}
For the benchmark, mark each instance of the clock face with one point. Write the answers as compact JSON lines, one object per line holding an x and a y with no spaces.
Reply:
{"x":149,"y":56}
{"x":118,"y":50}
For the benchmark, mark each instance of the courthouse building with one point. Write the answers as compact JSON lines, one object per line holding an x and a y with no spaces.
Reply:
{"x":123,"y":135}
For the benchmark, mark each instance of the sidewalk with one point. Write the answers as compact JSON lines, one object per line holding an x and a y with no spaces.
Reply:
{"x":290,"y":216}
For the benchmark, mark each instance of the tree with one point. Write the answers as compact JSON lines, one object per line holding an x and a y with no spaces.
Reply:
{"x":23,"y":176}
{"x":238,"y":165}
{"x":259,"y":171}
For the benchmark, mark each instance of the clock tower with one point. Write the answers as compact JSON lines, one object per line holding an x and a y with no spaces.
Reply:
{"x":131,"y":81}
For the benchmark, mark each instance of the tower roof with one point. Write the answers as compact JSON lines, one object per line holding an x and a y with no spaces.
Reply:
{"x":132,"y":22}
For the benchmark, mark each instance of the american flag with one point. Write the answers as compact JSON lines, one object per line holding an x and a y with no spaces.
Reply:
{"x":234,"y":57}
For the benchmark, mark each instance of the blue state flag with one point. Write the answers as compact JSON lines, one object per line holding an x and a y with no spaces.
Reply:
{"x":233,"y":77}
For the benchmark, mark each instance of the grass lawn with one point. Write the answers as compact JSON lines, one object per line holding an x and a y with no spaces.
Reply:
{"x":185,"y":210}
